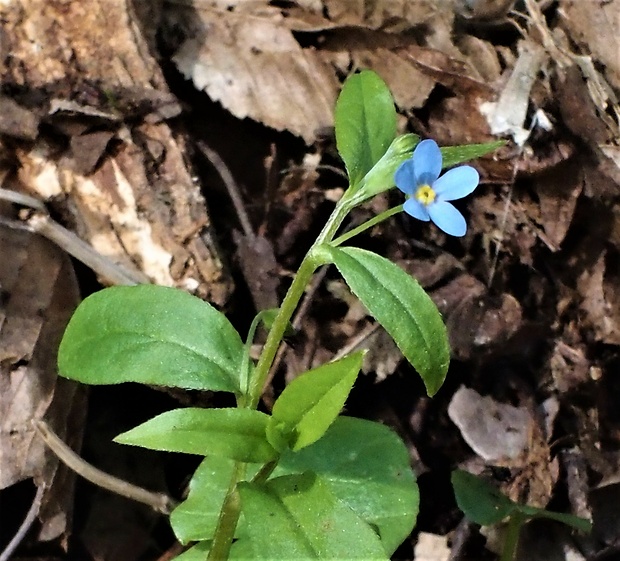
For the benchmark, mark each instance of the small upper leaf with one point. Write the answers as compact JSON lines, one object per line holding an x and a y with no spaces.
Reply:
{"x":453,"y":155}
{"x":298,"y":517}
{"x":310,"y":403}
{"x":152,"y":335}
{"x":401,"y":306}
{"x":238,"y":434}
{"x":365,"y":120}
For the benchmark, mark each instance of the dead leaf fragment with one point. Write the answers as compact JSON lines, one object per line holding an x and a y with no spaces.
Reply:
{"x":598,"y":288}
{"x":246,"y":58}
{"x":39,"y":294}
{"x":495,"y":431}
{"x":17,"y":121}
{"x":431,"y":547}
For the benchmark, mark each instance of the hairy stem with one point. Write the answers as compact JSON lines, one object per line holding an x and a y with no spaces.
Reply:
{"x":368,"y":224}
{"x":291,"y":300}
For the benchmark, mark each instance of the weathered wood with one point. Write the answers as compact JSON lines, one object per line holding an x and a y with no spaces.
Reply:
{"x":105,"y":156}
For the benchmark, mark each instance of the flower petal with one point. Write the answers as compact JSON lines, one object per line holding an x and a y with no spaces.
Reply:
{"x":416,"y":209}
{"x":404,"y":178}
{"x":456,"y":183}
{"x":427,"y":158}
{"x":448,"y":218}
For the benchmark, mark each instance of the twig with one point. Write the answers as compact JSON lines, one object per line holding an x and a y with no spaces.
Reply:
{"x":31,"y":516}
{"x":41,"y":223}
{"x":159,"y":502}
{"x":21,"y":199}
{"x":65,"y":239}
{"x":231,"y":186}
{"x":460,"y":538}
{"x":357,"y":340}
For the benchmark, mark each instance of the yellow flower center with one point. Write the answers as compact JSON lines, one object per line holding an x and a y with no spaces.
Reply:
{"x":425,"y":194}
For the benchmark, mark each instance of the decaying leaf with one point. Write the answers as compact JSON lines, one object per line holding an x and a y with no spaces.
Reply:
{"x":505,"y":435}
{"x":431,"y":547}
{"x":495,"y":431}
{"x":244,"y":56}
{"x":598,"y":287}
{"x":39,"y":293}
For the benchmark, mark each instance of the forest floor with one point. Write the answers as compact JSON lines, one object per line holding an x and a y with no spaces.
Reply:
{"x":530,"y":296}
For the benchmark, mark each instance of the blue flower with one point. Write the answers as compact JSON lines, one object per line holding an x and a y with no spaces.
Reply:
{"x":428,"y":194}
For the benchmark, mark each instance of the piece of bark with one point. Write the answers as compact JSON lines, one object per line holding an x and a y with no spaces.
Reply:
{"x":133,"y":198}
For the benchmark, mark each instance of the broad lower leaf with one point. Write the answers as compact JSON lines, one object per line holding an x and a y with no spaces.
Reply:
{"x":152,"y":335}
{"x":298,"y":517}
{"x":367,"y":467}
{"x":198,"y":552}
{"x":310,"y":403}
{"x":196,"y":517}
{"x":401,"y":306}
{"x":453,"y":155}
{"x":233,"y":433}
{"x":365,"y":121}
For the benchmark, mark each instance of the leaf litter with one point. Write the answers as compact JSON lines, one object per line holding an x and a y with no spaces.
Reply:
{"x":530,"y":295}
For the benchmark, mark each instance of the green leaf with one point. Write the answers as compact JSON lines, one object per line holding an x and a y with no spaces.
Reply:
{"x":297,"y":517}
{"x":400,"y":305}
{"x":238,"y":434}
{"x":484,"y":504}
{"x":480,"y":501}
{"x":198,"y":552}
{"x":576,"y":522}
{"x":152,"y":335}
{"x":367,"y":467}
{"x":196,"y":517}
{"x":365,"y":120}
{"x":453,"y":155}
{"x":310,"y":403}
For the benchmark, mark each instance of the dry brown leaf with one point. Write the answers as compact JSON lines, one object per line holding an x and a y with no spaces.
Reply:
{"x":39,"y":294}
{"x":598,"y":287}
{"x":388,"y":15}
{"x":558,"y":191}
{"x":508,"y":436}
{"x":594,"y":24}
{"x":431,"y":547}
{"x":247,"y":58}
{"x":495,"y":431}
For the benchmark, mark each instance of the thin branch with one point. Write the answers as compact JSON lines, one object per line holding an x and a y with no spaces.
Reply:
{"x":68,"y":241}
{"x":231,"y":186}
{"x":357,"y":340}
{"x":159,"y":502}
{"x":31,"y":516}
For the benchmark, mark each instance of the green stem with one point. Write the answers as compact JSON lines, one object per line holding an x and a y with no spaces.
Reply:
{"x":231,"y":509}
{"x":291,"y":300}
{"x":512,"y":536}
{"x":368,"y":224}
{"x":264,"y":472}
{"x":229,"y":517}
{"x":245,"y":363}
